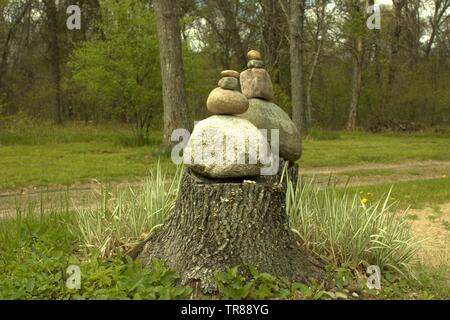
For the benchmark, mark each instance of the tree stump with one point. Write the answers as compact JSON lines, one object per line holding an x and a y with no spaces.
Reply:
{"x":218,"y":224}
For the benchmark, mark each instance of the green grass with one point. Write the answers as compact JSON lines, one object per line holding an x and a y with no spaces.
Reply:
{"x":44,"y":154}
{"x":414,"y":194}
{"x":362,"y":148}
{"x":71,"y":162}
{"x":64,"y":155}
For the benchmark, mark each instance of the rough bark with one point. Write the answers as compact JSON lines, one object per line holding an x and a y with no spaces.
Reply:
{"x":219,"y":224}
{"x":174,"y":95}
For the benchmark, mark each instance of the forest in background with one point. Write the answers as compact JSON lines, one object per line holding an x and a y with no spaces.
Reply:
{"x":395,"y":78}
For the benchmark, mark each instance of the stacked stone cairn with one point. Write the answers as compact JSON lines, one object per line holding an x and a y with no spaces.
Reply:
{"x":235,"y":123}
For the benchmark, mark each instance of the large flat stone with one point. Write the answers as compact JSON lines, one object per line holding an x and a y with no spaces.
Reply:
{"x":227,"y":147}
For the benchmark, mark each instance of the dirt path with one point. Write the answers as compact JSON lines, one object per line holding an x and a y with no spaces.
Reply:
{"x":429,"y":164}
{"x":373,"y":174}
{"x":60,"y":197}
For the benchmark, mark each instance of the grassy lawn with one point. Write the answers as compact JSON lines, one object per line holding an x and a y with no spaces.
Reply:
{"x":77,"y":153}
{"x":411,"y":194}
{"x":73,"y":154}
{"x":362,"y":148}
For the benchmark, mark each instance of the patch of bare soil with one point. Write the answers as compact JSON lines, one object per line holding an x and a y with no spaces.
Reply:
{"x":373,"y":174}
{"x":432,"y":225}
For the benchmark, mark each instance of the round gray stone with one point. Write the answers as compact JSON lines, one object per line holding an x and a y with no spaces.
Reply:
{"x":229,"y":83}
{"x":267,"y":115}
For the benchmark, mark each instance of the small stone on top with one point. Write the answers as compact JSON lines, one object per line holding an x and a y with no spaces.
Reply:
{"x":254,"y":55}
{"x":259,"y":64}
{"x":229,"y":83}
{"x":230,"y":73}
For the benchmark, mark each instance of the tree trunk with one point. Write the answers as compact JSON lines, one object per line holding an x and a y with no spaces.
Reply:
{"x":414,"y":34}
{"x":274,"y":29}
{"x":231,"y":27}
{"x":309,"y":104}
{"x":218,"y":224}
{"x":174,"y":96}
{"x":296,"y":25}
{"x":395,"y":41}
{"x":357,"y":85}
{"x":376,"y":46}
{"x":52,"y":16}
{"x":440,"y":8}
{"x":319,"y":40}
{"x":9,"y":38}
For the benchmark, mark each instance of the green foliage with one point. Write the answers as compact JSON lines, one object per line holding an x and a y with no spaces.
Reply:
{"x":121,"y":71}
{"x":428,"y":283}
{"x":425,"y":283}
{"x":200,"y":80}
{"x":13,"y":125}
{"x":118,"y":280}
{"x":234,"y":285}
{"x":37,"y":250}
